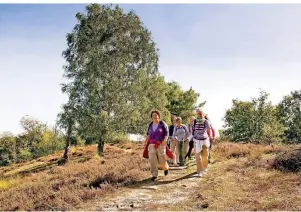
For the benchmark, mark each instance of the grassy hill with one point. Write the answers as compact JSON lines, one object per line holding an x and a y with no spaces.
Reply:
{"x":242,"y":177}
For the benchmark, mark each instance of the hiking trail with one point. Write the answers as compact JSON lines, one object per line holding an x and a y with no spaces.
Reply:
{"x":179,"y":185}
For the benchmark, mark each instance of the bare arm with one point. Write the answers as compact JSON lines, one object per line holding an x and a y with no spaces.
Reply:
{"x":165,"y":140}
{"x":208,"y":129}
{"x":209,"y":132}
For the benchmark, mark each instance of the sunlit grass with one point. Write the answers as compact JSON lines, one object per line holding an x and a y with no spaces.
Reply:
{"x":4,"y":184}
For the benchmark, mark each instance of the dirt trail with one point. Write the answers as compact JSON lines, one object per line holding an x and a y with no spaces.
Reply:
{"x":163,"y":194}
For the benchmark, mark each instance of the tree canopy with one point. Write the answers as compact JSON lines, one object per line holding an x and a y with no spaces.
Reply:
{"x":112,"y":72}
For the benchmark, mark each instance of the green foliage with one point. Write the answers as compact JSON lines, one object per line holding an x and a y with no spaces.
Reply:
{"x":36,"y":140}
{"x":181,"y":103}
{"x":24,"y":155}
{"x":289,"y":114}
{"x":238,"y":121}
{"x":273,"y":132}
{"x":118,"y":137}
{"x":112,"y":70}
{"x":49,"y":144}
{"x":255,"y":121}
{"x":7,"y":148}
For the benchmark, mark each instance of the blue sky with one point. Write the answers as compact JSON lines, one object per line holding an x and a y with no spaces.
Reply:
{"x":223,"y":51}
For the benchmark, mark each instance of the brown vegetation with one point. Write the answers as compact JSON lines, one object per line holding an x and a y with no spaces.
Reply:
{"x":246,"y":180}
{"x":242,"y":177}
{"x":289,"y":161}
{"x":65,"y":187}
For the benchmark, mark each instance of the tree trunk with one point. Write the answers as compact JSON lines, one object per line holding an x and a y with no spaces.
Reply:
{"x":68,"y":141}
{"x":100,"y":147}
{"x":67,"y":147}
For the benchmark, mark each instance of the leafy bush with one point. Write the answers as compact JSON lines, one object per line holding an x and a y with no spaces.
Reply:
{"x":36,"y":140}
{"x":118,"y":137}
{"x":24,"y":155}
{"x":49,"y":144}
{"x":253,"y":121}
{"x":7,"y":148}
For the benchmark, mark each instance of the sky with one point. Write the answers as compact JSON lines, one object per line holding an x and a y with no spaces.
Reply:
{"x":223,"y":52}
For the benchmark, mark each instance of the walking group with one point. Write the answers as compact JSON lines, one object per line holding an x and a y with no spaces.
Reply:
{"x":173,"y":145}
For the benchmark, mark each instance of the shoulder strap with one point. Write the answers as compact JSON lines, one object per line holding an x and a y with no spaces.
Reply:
{"x":185,"y":128}
{"x":163,"y":124}
{"x":193,"y":127}
{"x":150,"y":124}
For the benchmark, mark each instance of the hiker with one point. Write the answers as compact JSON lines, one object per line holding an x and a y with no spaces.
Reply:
{"x":157,"y":135}
{"x":213,"y":137}
{"x":191,"y":142}
{"x":174,"y":143}
{"x":171,"y":130}
{"x":180,"y":135}
{"x":201,"y":137}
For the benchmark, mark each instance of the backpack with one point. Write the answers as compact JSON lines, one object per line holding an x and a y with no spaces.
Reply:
{"x":160,"y":123}
{"x":185,"y":128}
{"x":193,"y":127}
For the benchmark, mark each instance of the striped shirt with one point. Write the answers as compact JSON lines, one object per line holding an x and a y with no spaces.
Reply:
{"x":200,"y":129}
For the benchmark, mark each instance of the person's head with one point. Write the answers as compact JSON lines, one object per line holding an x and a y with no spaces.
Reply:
{"x":191,"y":119}
{"x":200,"y":113}
{"x":179,"y":121}
{"x":174,"y":122}
{"x":155,"y":115}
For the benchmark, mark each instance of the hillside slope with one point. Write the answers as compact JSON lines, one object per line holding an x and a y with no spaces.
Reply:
{"x":240,"y":178}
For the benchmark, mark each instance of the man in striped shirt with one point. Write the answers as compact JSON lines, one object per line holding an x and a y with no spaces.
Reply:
{"x":201,"y":138}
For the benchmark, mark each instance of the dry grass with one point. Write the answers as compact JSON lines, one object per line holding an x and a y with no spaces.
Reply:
{"x":247,"y":181}
{"x":235,"y":150}
{"x":241,"y":178}
{"x":66,"y":187}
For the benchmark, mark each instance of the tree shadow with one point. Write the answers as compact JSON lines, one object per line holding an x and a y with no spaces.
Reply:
{"x":149,"y":182}
{"x":47,"y":165}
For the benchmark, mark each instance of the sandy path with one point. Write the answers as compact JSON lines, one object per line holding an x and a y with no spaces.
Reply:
{"x":163,"y":194}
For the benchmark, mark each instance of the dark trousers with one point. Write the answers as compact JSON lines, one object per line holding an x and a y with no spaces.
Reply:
{"x":191,"y":144}
{"x":168,"y":142}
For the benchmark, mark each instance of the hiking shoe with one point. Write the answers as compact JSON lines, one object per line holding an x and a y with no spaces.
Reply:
{"x":166,"y":172}
{"x":154,"y":178}
{"x":200,"y":174}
